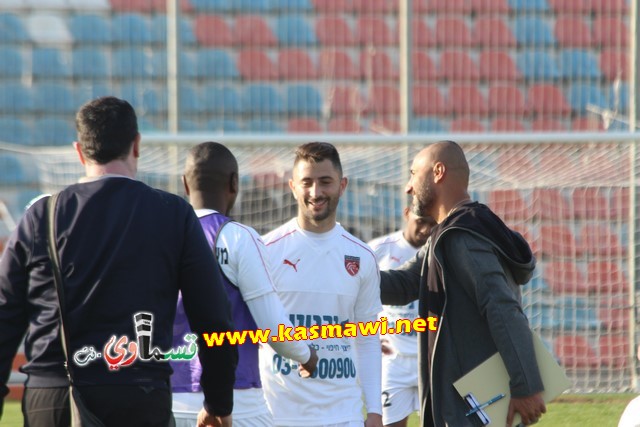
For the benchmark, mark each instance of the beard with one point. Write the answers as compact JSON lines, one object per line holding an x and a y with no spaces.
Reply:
{"x":330,"y":207}
{"x":423,"y":201}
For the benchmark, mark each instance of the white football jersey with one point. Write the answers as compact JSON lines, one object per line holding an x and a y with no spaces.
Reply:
{"x":326,"y":278}
{"x":393,"y":250}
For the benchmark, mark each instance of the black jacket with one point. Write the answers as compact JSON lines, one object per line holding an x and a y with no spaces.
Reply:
{"x":124,"y":248}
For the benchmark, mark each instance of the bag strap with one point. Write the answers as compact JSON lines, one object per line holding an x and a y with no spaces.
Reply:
{"x":57,"y":277}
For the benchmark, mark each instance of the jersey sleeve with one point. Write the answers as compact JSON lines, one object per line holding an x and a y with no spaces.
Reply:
{"x":368,"y":302}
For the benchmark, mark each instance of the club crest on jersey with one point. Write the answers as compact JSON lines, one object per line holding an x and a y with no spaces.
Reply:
{"x":352,"y":264}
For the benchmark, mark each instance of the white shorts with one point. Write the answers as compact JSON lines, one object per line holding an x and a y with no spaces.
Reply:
{"x":400,"y":397}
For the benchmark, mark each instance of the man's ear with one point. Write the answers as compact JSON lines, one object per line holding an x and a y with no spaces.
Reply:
{"x":186,"y":186}
{"x":136,"y":146}
{"x":439,"y":170}
{"x":292,"y":187}
{"x":76,"y":146}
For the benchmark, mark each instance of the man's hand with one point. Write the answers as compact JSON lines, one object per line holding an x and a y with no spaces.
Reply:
{"x":373,"y":420}
{"x":207,"y":420}
{"x":530,"y":409}
{"x":307,"y":369}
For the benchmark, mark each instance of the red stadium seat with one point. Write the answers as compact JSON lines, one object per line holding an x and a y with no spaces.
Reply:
{"x":377,"y":65}
{"x":587,"y":124}
{"x":344,"y":125}
{"x":345,"y":100}
{"x":549,"y":203}
{"x":614,"y":351}
{"x":610,"y":6}
{"x":296,"y":64}
{"x":447,"y":6}
{"x":570,"y":6}
{"x":384,"y":126}
{"x":547,"y":125}
{"x":457,"y":65}
{"x":384,"y":99}
{"x":590,"y":203}
{"x":558,"y":241}
{"x":374,"y":6}
{"x":253,"y":31}
{"x":547,"y":99}
{"x":563,"y":276}
{"x":466,"y":99}
{"x":452,"y":32}
{"x":572,"y":32}
{"x":614,"y":64}
{"x":610,"y":32}
{"x":428,"y":101}
{"x":336,"y":64}
{"x":254,"y":64}
{"x":332,"y":6}
{"x":620,"y":203}
{"x":493,"y":32}
{"x":601,"y":240}
{"x":423,"y":66}
{"x":373,"y":31}
{"x":574,"y":351}
{"x":515,"y":165}
{"x":421,"y":33}
{"x":491,"y":7}
{"x":466,"y":125}
{"x":509,"y":205}
{"x":303,"y":125}
{"x":160,"y":6}
{"x":212,"y":30}
{"x":496,"y":65}
{"x":506,"y":99}
{"x":615,"y":316}
{"x":606,"y":277}
{"x":507,"y":125}
{"x":333,"y":31}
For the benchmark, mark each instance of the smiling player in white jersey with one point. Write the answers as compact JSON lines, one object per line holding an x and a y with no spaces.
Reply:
{"x":324,"y":275}
{"x":400,"y":360}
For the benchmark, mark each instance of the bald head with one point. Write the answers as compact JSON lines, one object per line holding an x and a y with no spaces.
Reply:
{"x":450,"y":154}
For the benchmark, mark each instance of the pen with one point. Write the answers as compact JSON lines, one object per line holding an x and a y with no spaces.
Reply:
{"x":491,"y":401}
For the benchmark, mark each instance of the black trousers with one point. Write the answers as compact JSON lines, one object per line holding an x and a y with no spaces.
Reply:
{"x":118,"y":406}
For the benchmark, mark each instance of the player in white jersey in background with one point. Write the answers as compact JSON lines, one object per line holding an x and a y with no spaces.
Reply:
{"x":324,"y":275}
{"x":400,"y":351}
{"x":211,"y":182}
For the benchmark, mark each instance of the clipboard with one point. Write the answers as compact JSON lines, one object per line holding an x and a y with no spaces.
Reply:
{"x":490,"y":379}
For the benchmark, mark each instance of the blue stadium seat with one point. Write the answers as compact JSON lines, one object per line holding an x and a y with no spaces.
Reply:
{"x":11,"y":64}
{"x":189,"y":100}
{"x":252,"y":6}
{"x":541,"y":316}
{"x":53,"y":98}
{"x":583,"y":94}
{"x":15,"y":98}
{"x":427,"y":124}
{"x":263,"y":125}
{"x":293,"y":30}
{"x":90,"y":29}
{"x":90,"y":63}
{"x":187,"y":67}
{"x":533,"y":32}
{"x":520,"y":6}
{"x":15,"y":131}
{"x":538,"y":65}
{"x":578,"y":64}
{"x":131,"y":62}
{"x":50,"y":62}
{"x":12,"y":29}
{"x":221,"y":99}
{"x":618,"y":96}
{"x":130,"y":29}
{"x":87,"y":90}
{"x":303,"y":100}
{"x":54,"y":131}
{"x":159,"y":30}
{"x":145,"y":97}
{"x":186,"y":125}
{"x":215,"y":64}
{"x":292,"y":5}
{"x":212,"y":5}
{"x":576,"y":314}
{"x":261,"y":98}
{"x":222,"y":126}
{"x":12,"y":170}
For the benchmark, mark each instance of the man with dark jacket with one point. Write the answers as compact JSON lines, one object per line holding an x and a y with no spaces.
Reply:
{"x":124,"y":249}
{"x":468,"y":276}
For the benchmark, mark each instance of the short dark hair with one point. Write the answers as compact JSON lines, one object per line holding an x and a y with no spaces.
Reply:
{"x":107,"y":127}
{"x":317,"y":152}
{"x":209,"y":166}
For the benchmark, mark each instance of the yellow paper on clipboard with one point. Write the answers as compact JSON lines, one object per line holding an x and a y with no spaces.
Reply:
{"x":490,"y":379}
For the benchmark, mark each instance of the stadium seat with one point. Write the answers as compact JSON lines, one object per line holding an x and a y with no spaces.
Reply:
{"x":139,"y":6}
{"x":148,"y":99}
{"x":577,"y":64}
{"x":90,"y":29}
{"x":345,"y":100}
{"x":452,"y":32}
{"x":222,"y":126}
{"x":556,"y":240}
{"x":254,"y":64}
{"x":515,"y":165}
{"x":615,"y":315}
{"x":263,"y":126}
{"x":361,"y":7}
{"x":253,"y":31}
{"x":572,"y":31}
{"x":421,"y":34}
{"x":293,"y":30}
{"x":334,"y":31}
{"x":428,"y":100}
{"x":130,"y":29}
{"x":614,"y":351}
{"x":89,"y":5}
{"x":533,"y":32}
{"x":505,"y":99}
{"x":490,"y":7}
{"x":599,"y":240}
{"x":572,"y":7}
{"x":497,"y":65}
{"x":47,"y":28}
{"x":187,"y":125}
{"x":130,"y":63}
{"x":373,"y":31}
{"x":303,"y":100}
{"x":523,"y":6}
{"x":466,"y":99}
{"x":502,"y":124}
{"x":49,"y":62}
{"x":618,"y":96}
{"x":53,"y":98}
{"x":218,"y":6}
{"x":303,"y":124}
{"x":377,"y":65}
{"x":590,"y":203}
{"x":614,"y":64}
{"x":332,"y":6}
{"x":90,"y":63}
{"x":537,"y":65}
{"x":252,"y":6}
{"x":384,"y":99}
{"x":550,"y":203}
{"x":618,"y":7}
{"x":220,"y":99}
{"x":466,"y":125}
{"x":492,"y":33}
{"x":212,"y":30}
{"x":15,"y":131}
{"x":189,"y":102}
{"x":541,"y":316}
{"x":88,"y":90}
{"x":215,"y":64}
{"x":582,"y":95}
{"x":610,"y":31}
{"x":562,"y":276}
{"x":53,"y":131}
{"x":547,"y":99}
{"x":457,"y":65}
{"x":12,"y":29}
{"x":606,"y":277}
{"x":574,"y":351}
{"x":263,"y":99}
{"x":510,"y":205}
{"x":11,"y":63}
{"x":343,"y":125}
{"x":159,"y":31}
{"x":447,"y":7}
{"x":590,"y":124}
{"x":336,"y":64}
{"x":545,"y":124}
{"x":423,"y":66}
{"x":384,"y":125}
{"x":295,"y":64}
{"x":293,"y":5}
{"x":427,"y":125}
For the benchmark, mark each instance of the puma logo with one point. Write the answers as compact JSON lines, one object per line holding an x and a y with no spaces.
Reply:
{"x":292,"y":264}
